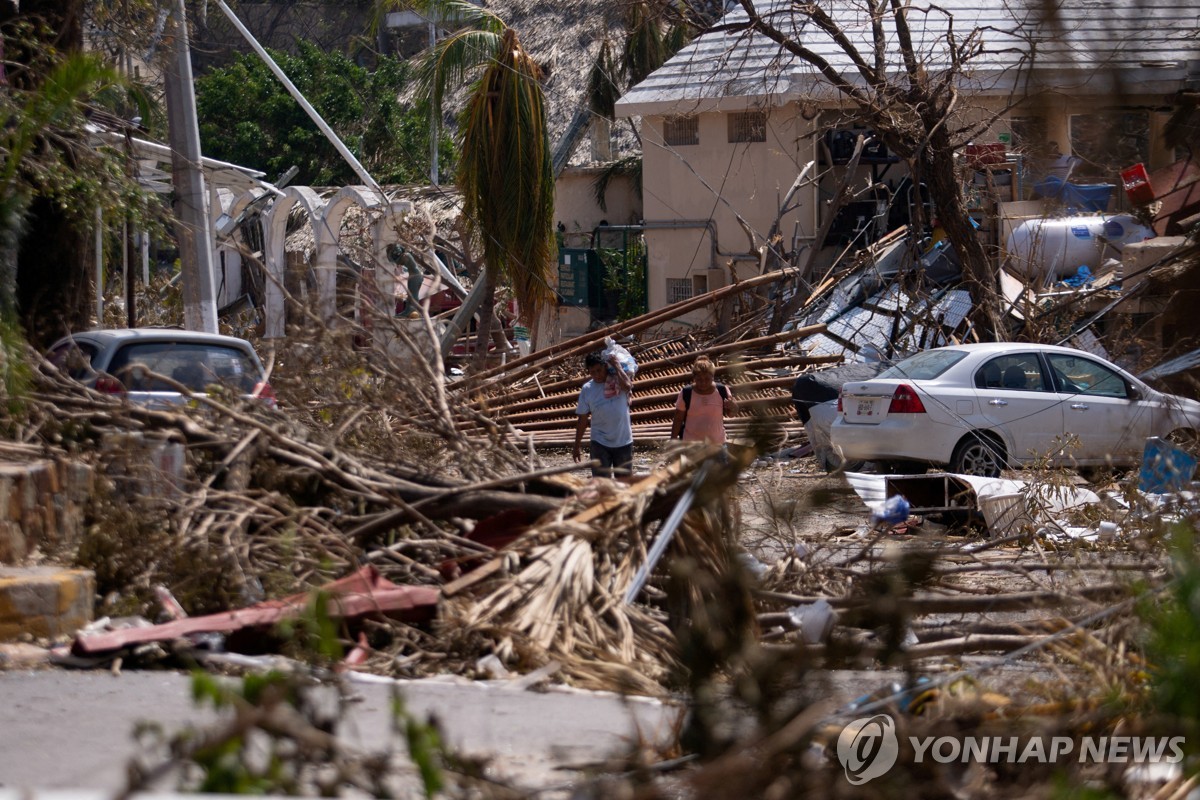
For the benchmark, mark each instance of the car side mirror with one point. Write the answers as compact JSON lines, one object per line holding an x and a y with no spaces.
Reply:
{"x":1133,"y":392}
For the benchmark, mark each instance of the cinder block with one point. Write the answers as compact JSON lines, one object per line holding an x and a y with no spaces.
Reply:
{"x":44,"y":601}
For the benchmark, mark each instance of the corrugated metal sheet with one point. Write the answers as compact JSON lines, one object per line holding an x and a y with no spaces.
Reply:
{"x":1087,"y":47}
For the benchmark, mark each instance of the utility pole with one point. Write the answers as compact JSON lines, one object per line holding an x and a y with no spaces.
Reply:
{"x":193,"y":227}
{"x":435,"y":122}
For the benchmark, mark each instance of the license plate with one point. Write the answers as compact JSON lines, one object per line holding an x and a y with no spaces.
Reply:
{"x":865,"y":407}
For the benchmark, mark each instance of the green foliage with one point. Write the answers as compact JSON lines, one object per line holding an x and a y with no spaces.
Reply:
{"x":223,"y":761}
{"x":16,"y":376}
{"x":313,"y":635}
{"x":625,"y":274}
{"x":648,"y":44}
{"x":424,"y":746}
{"x":248,"y":117}
{"x":603,"y":90}
{"x":1173,"y":649}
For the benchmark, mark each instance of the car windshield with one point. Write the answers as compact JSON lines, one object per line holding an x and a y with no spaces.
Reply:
{"x":924,"y":366}
{"x":193,"y":364}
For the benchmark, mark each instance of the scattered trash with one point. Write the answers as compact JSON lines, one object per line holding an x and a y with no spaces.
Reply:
{"x":1082,"y":277}
{"x":752,"y":564}
{"x":891,"y":511}
{"x":1004,"y":505}
{"x":813,"y":620}
{"x":492,"y":667}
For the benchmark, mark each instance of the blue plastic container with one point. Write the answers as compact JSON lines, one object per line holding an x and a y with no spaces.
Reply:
{"x":1076,"y":196}
{"x":1165,"y":468}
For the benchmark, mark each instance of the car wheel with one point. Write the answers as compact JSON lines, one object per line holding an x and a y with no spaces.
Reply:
{"x":978,"y":454}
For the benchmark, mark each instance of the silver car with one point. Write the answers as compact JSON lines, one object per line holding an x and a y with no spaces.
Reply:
{"x":978,"y":409}
{"x":150,"y":365}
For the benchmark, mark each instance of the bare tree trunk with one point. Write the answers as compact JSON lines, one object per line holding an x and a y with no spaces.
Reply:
{"x":486,"y":316}
{"x":980,"y":276}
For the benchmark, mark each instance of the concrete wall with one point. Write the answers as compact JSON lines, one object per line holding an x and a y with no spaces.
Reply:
{"x":576,"y":209}
{"x":686,"y":186}
{"x":691,"y":192}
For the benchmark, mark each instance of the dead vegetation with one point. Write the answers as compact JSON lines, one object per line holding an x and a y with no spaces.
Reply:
{"x":380,"y":461}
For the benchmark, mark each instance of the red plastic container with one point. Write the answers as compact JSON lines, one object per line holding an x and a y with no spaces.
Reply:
{"x":1137,"y":185}
{"x":985,"y":155}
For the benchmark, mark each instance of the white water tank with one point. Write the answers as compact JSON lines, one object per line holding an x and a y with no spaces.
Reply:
{"x":1057,"y":247}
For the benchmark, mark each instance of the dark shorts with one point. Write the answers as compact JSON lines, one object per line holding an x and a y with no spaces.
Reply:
{"x":613,"y":460}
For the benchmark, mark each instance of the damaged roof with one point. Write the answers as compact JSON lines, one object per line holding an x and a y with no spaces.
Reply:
{"x":1088,"y":46}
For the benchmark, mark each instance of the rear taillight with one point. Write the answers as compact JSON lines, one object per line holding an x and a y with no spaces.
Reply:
{"x":264,"y":392}
{"x":905,"y":401}
{"x":839,"y":401}
{"x":108,"y":385}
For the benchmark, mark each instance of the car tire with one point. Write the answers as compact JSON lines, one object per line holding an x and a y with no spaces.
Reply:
{"x":978,"y":454}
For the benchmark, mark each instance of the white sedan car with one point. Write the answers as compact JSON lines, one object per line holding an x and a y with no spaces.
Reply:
{"x":978,"y":409}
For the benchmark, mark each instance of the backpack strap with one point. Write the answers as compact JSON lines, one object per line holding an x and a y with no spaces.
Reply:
{"x":687,"y":404}
{"x":723,"y":390}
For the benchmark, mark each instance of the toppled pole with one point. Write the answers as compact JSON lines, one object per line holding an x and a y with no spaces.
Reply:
{"x":344,"y":151}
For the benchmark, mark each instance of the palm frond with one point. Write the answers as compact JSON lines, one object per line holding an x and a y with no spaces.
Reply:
{"x":677,"y":37}
{"x":628,"y":167}
{"x":452,"y":61}
{"x":455,"y":14}
{"x":505,"y":173}
{"x":603,"y":91}
{"x":644,"y":49}
{"x":56,"y":103}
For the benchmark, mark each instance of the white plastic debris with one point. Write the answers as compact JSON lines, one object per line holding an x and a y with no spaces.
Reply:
{"x":813,"y":620}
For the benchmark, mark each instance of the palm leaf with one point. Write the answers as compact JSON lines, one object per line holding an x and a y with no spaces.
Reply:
{"x":451,"y":63}
{"x":628,"y":167}
{"x":505,"y":173}
{"x":455,"y":14}
{"x":603,"y":91}
{"x":54,"y":104}
{"x":644,"y":47}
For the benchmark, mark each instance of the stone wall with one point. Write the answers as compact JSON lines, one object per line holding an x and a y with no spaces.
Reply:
{"x":41,"y":507}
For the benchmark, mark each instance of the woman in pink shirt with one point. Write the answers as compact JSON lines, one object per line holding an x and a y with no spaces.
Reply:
{"x":700,"y":409}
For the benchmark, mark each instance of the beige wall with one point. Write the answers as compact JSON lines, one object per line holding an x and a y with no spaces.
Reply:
{"x":686,"y":186}
{"x":710,"y":180}
{"x":576,"y":208}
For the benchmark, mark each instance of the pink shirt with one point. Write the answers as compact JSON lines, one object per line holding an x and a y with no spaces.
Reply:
{"x":705,"y":418}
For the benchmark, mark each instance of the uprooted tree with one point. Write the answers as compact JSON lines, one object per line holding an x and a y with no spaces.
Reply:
{"x":906,"y":85}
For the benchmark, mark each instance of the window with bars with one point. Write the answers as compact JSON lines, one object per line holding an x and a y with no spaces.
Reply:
{"x":748,"y":126}
{"x":680,"y":131}
{"x":679,"y":289}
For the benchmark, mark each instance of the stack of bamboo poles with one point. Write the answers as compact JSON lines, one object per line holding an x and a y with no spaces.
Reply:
{"x":760,"y":379}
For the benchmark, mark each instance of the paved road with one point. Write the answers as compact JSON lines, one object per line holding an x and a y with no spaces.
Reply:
{"x":64,"y":729}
